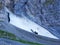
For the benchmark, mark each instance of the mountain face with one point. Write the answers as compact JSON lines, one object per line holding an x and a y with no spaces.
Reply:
{"x":44,"y":13}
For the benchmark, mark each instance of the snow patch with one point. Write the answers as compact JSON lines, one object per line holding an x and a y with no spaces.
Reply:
{"x":26,"y":24}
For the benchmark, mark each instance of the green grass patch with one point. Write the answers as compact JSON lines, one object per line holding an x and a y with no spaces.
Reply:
{"x":7,"y":35}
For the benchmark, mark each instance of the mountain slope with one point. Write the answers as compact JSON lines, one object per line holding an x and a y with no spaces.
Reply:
{"x":29,"y":25}
{"x":45,"y":13}
{"x":28,"y":36}
{"x":27,"y":22}
{"x":24,"y":35}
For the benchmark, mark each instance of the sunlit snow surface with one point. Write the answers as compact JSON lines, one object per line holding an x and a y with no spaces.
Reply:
{"x":26,"y":24}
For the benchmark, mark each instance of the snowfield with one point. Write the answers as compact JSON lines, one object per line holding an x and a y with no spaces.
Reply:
{"x":28,"y":25}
